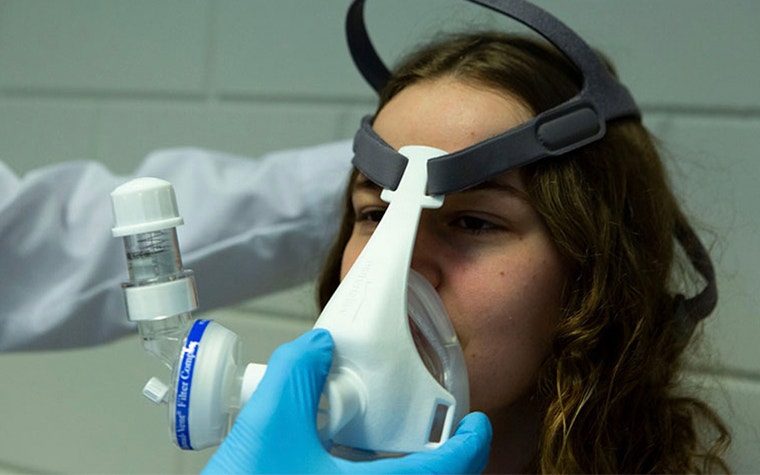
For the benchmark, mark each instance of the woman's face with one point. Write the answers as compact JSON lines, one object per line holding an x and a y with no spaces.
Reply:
{"x":486,"y":251}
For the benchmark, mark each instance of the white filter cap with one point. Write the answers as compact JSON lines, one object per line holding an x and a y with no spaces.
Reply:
{"x":143,"y":205}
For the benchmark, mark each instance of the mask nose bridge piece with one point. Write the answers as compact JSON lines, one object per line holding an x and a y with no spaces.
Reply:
{"x":426,"y":250}
{"x":411,"y":192}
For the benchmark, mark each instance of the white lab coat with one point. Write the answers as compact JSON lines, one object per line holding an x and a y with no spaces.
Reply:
{"x":251,"y":227}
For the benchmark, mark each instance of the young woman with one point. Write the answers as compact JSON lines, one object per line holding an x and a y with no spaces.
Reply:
{"x":558,"y":277}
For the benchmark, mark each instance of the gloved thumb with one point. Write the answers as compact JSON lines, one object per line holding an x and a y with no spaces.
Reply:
{"x":295,"y":377}
{"x":280,"y":415}
{"x":466,"y":452}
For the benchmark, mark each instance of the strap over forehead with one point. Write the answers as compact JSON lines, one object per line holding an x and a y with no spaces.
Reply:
{"x":570,"y":125}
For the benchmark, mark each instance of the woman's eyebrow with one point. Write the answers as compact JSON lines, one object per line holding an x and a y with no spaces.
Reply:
{"x":506,"y":188}
{"x":363,"y":183}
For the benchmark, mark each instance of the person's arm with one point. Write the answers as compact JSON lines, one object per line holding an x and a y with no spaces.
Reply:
{"x":251,"y":227}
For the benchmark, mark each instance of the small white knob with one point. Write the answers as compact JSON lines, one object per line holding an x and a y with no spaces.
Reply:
{"x":156,"y":390}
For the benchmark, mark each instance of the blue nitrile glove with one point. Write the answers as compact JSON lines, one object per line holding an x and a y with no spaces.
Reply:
{"x":276,"y":431}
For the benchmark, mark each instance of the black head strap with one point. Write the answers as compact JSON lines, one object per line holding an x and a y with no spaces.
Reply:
{"x":690,"y":311}
{"x":569,"y":126}
{"x":572,"y":124}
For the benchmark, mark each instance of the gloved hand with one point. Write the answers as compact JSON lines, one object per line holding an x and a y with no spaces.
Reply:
{"x":276,"y":431}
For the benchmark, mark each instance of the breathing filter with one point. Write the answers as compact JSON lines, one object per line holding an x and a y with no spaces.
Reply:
{"x":398,"y":382}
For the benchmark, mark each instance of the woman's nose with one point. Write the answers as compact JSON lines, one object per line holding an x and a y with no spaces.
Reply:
{"x":427,"y":254}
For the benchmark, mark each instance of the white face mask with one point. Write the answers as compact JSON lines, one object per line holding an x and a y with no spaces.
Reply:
{"x":383,"y":312}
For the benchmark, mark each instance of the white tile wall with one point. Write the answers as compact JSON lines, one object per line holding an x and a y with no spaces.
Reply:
{"x":695,"y":53}
{"x":110,"y":80}
{"x":37,"y":132}
{"x":129,"y":130}
{"x":92,"y":46}
{"x":269,"y":49}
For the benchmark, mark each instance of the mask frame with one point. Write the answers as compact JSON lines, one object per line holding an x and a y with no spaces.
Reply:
{"x":571,"y":125}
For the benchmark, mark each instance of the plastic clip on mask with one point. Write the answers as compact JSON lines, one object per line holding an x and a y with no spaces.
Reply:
{"x":398,"y":382}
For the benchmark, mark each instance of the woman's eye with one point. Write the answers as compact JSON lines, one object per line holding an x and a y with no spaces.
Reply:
{"x":373,"y":215}
{"x":474,"y":225}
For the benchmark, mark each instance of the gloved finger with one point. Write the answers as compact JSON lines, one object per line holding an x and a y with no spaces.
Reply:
{"x":292,"y":384}
{"x":465,"y":452}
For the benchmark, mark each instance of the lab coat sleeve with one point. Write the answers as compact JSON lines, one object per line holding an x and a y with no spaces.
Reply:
{"x":251,"y":227}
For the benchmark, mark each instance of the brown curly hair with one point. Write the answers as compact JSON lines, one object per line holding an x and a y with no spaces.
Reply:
{"x":610,"y":384}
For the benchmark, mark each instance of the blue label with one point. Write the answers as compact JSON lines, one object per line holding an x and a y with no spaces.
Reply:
{"x":185,"y":383}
